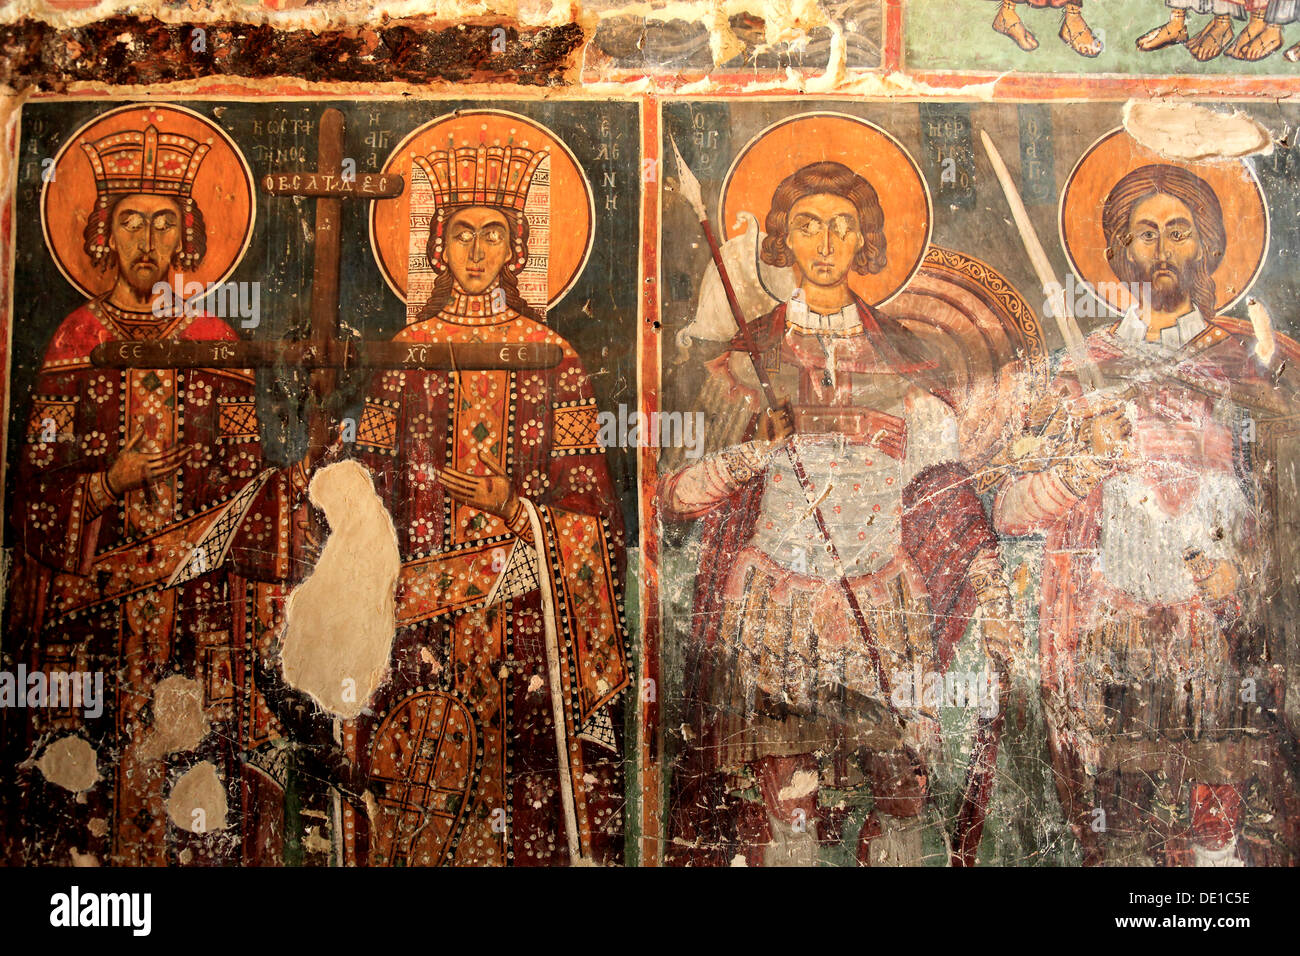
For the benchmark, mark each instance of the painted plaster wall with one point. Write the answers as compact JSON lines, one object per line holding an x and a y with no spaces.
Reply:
{"x":739,"y":65}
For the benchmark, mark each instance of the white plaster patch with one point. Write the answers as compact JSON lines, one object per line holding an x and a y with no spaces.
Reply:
{"x":179,"y":723}
{"x":342,"y":619}
{"x":198,"y":801}
{"x":70,"y":762}
{"x":802,"y":783}
{"x":1190,"y":132}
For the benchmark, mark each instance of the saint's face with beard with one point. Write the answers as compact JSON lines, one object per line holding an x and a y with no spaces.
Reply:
{"x":145,"y":236}
{"x":1164,"y":251}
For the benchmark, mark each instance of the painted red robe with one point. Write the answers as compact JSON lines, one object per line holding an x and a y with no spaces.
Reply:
{"x":1142,"y":673}
{"x":157,"y":585}
{"x":462,"y":748}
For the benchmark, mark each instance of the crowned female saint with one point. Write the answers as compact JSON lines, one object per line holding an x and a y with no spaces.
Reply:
{"x":497,"y":741}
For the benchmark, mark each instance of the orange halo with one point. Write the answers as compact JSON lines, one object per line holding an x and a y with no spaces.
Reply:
{"x":1115,"y":155}
{"x":793,"y":143}
{"x":571,"y":236}
{"x":223,"y":191}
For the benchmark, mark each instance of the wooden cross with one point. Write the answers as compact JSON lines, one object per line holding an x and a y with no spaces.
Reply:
{"x":326,"y":352}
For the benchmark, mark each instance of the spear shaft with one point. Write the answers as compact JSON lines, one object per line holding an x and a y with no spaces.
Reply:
{"x":689,"y":187}
{"x":1089,"y":374}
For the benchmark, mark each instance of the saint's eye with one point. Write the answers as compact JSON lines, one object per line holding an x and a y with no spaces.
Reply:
{"x":463,"y":235}
{"x":810,"y":227}
{"x":164,"y":221}
{"x":1179,"y":235}
{"x":1147,"y":235}
{"x":132,"y":222}
{"x":494,"y":234}
{"x":843,"y":225}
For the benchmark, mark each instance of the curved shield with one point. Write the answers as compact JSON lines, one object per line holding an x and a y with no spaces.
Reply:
{"x":987,"y":337}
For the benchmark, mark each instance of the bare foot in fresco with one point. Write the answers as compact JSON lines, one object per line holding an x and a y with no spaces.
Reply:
{"x":1167,"y":34}
{"x":1293,"y":54}
{"x":1210,"y":42}
{"x":1253,"y":28}
{"x":1077,"y":34}
{"x":1008,"y":23}
{"x":1266,"y":44}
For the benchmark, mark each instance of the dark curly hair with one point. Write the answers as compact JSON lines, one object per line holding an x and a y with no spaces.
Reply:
{"x":837,"y":180}
{"x":443,"y":285}
{"x":1207,"y":216}
{"x":99,"y":224}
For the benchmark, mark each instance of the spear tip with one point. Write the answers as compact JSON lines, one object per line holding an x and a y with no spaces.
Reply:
{"x":687,"y":184}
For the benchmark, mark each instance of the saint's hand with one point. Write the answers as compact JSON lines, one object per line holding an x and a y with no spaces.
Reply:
{"x":1217,"y":580}
{"x":777,"y":424}
{"x":491,"y":493}
{"x":1108,"y":432}
{"x":133,"y":469}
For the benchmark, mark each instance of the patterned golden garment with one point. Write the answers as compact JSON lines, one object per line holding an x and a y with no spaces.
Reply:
{"x":155,"y":585}
{"x":495,"y":629}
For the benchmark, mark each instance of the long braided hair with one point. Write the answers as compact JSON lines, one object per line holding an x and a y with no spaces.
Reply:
{"x":443,"y":285}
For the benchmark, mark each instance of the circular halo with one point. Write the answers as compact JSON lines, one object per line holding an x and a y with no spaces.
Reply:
{"x":570,"y":245}
{"x":223,"y":191}
{"x":865,"y":148}
{"x":1105,"y":163}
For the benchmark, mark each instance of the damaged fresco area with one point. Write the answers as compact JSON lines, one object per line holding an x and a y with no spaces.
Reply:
{"x":539,"y":44}
{"x":727,"y":434}
{"x":734,"y":38}
{"x":960,"y":572}
{"x":307,"y":477}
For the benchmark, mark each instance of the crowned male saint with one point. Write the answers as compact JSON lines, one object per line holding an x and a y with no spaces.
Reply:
{"x":143,"y":511}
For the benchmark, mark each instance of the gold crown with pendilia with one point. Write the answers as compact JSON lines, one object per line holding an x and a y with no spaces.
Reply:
{"x":145,"y":161}
{"x":497,"y":175}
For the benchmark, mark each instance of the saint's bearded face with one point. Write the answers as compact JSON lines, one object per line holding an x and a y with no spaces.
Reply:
{"x":476,"y":247}
{"x":1164,"y":251}
{"x":824,"y":237}
{"x":146,"y":236}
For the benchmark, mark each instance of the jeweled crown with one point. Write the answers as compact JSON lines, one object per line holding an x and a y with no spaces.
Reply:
{"x":145,"y":161}
{"x":482,"y":175}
